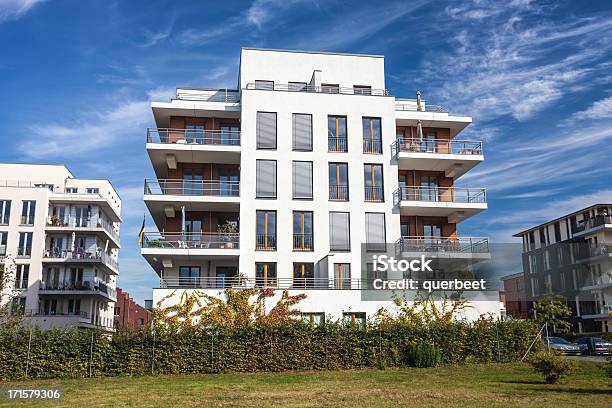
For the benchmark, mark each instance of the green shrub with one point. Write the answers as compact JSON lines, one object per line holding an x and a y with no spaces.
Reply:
{"x":551,"y":365}
{"x":423,"y":355}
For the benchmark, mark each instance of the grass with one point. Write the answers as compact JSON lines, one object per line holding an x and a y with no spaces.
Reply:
{"x":503,"y":385}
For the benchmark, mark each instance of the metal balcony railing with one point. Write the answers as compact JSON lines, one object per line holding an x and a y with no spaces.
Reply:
{"x":303,"y":242}
{"x":586,"y":251}
{"x":266,"y":242}
{"x":439,"y":244}
{"x":411,"y":106}
{"x":597,"y":221}
{"x":374,"y":193}
{"x":83,"y":223}
{"x":337,"y":144}
{"x":372,"y":146}
{"x":194,"y":136}
{"x":192,"y":188}
{"x":81,"y":254}
{"x":441,"y":194}
{"x":209,"y":95}
{"x":339,"y":192}
{"x":438,"y":146}
{"x":191,"y":241}
{"x":329,"y":89}
{"x":96,"y":286}
{"x":219,"y":282}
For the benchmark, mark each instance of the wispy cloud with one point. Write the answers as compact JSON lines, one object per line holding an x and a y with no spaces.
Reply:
{"x":536,"y":194}
{"x":14,"y":9}
{"x":601,"y":109}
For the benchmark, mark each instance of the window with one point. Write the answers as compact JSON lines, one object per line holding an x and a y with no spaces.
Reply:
{"x":342,"y":276}
{"x":18,"y":306}
{"x":265,"y":238}
{"x":117,"y":311}
{"x":372,"y":139}
{"x":5,"y":212}
{"x":356,"y":318}
{"x":557,"y":232}
{"x":298,"y":86}
{"x":28,"y":212}
{"x":313,"y":318}
{"x":3,"y":239}
{"x":375,"y":231}
{"x":339,"y":231}
{"x":21,"y":276}
{"x":264,"y":85}
{"x":265,"y":274}
{"x":429,"y":189}
{"x":338,"y":182}
{"x":303,"y":275}
{"x":336,"y":134}
{"x":373,"y":274}
{"x":93,"y":190}
{"x":25,"y":244}
{"x":195,"y":133}
{"x":302,"y":231}
{"x":266,"y":179}
{"x":302,"y":132}
{"x":373,"y":179}
{"x":362,"y":90}
{"x":302,"y":180}
{"x":189,"y":275}
{"x":266,"y":130}
{"x":74,"y":306}
{"x":230,"y":135}
{"x":330,"y":88}
{"x":72,"y":190}
{"x":542,"y":239}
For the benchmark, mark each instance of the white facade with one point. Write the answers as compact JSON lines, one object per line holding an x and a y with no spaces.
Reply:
{"x":59,"y":237}
{"x":192,"y":139}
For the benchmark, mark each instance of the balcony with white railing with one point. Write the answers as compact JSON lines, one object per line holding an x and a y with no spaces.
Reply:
{"x":241,"y":282}
{"x":100,"y":228}
{"x":55,"y":255}
{"x":447,"y":247}
{"x":85,"y":287}
{"x":322,"y":89}
{"x":453,"y":157}
{"x":453,"y":202}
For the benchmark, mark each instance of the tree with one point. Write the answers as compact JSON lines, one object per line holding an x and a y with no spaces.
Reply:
{"x":425,"y":309}
{"x":8,"y":294}
{"x":551,"y":310}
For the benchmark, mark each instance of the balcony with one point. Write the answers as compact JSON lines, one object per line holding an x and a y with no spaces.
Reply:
{"x":80,"y":256}
{"x":106,"y":203}
{"x":269,"y":86}
{"x":453,"y":157}
{"x":265,"y":242}
{"x":303,"y":242}
{"x":374,"y":194}
{"x":592,"y":225}
{"x":339,"y":192}
{"x":439,"y":247}
{"x":242,"y":282}
{"x":372,"y":146}
{"x":586,"y":253}
{"x":337,"y":144}
{"x":455,"y":203}
{"x":100,"y":228}
{"x":78,"y":288}
{"x":408,"y":113}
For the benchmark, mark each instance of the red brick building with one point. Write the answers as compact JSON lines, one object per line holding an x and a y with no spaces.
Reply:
{"x":514,"y":297}
{"x":129,"y":313}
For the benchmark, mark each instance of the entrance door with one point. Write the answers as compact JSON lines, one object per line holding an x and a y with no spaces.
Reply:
{"x":429,"y":188}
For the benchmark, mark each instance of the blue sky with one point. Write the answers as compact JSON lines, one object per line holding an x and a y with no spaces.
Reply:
{"x":77,"y":78}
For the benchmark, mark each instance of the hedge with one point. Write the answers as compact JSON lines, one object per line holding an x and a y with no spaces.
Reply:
{"x":294,"y":346}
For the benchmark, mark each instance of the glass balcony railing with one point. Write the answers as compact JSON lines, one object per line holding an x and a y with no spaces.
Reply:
{"x":441,"y":244}
{"x":192,"y":188}
{"x":441,"y":194}
{"x":83,"y":223}
{"x":328,"y":89}
{"x":194,"y":136}
{"x":438,"y":146}
{"x":191,"y":241}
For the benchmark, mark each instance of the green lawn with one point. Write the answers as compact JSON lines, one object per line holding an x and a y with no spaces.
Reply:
{"x":466,"y":386}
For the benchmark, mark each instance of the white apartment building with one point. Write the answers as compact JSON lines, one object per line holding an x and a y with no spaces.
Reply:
{"x":286,"y":181}
{"x":60,"y":235}
{"x":570,"y":257}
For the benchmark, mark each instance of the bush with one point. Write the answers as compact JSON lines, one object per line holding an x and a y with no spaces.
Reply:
{"x":423,"y":355}
{"x":551,"y":365}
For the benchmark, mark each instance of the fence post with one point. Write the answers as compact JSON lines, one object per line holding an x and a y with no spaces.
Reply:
{"x":497,"y":335}
{"x":212,"y":350}
{"x":153,"y":355}
{"x":91,"y":354}
{"x":29,"y":348}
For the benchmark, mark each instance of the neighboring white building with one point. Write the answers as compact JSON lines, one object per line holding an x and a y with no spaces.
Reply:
{"x":571,"y":257}
{"x":63,"y":235}
{"x":307,"y":161}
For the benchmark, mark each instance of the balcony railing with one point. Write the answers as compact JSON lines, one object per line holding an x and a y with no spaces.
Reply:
{"x":439,"y":244}
{"x":303,"y":242}
{"x":265,"y":242}
{"x":98,"y":286}
{"x":191,"y":241}
{"x":192,"y":188}
{"x":411,"y":106}
{"x":270,"y":282}
{"x":441,"y":194}
{"x":337,"y":144}
{"x":439,"y":146}
{"x":372,"y":146}
{"x":586,"y":251}
{"x":81,"y":254}
{"x":374,"y":193}
{"x":209,"y":95}
{"x":82,"y":314}
{"x":339,"y":192}
{"x":194,"y":136}
{"x":83,"y":223}
{"x":597,"y":221}
{"x":318,"y":89}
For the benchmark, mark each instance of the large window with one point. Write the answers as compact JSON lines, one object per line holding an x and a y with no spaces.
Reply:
{"x":24,"y":249}
{"x":372,"y":139}
{"x":5,"y":212}
{"x":375,"y":232}
{"x":302,"y":132}
{"x":266,"y":130}
{"x":356,"y":318}
{"x":338,"y":182}
{"x":336,"y":134}
{"x":189,"y":275}
{"x":265,"y":274}
{"x":265,"y":238}
{"x":373,"y":180}
{"x":303,"y":275}
{"x":339,"y":231}
{"x":302,"y":231}
{"x":302,"y":180}
{"x":22,"y":275}
{"x":28,"y":212}
{"x":313,"y":318}
{"x":195,"y":133}
{"x":266,"y":179}
{"x":429,"y":188}
{"x":193,"y":182}
{"x":342,"y":276}
{"x":3,"y":239}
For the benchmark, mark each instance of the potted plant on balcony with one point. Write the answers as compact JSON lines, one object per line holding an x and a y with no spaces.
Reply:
{"x":226,"y":231}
